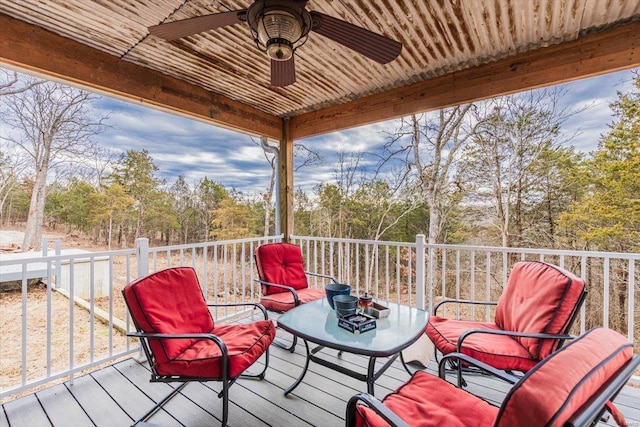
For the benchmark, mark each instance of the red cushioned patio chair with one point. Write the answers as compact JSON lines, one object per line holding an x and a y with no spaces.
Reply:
{"x":533,"y":318}
{"x":181,"y":341}
{"x":575,"y":386}
{"x":283,"y":280}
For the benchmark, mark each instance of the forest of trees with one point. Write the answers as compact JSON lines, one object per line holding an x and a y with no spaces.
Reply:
{"x":499,"y":172}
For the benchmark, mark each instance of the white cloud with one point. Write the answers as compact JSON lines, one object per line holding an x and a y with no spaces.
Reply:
{"x":594,"y":95}
{"x":190,"y":159}
{"x":360,"y":139}
{"x":248,"y":153}
{"x":180,"y":146}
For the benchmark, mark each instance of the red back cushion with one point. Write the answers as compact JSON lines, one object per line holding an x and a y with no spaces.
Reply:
{"x":539,"y":297}
{"x":169,"y":301}
{"x":282,"y":264}
{"x":550,"y":393}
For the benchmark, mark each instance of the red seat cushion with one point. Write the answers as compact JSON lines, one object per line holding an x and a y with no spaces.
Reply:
{"x":169,"y":301}
{"x":426,"y":400}
{"x":282,"y":264}
{"x":499,"y":351}
{"x":283,"y":301}
{"x":547,"y":395}
{"x":245,"y":344}
{"x":550,"y":393}
{"x":539,"y":297}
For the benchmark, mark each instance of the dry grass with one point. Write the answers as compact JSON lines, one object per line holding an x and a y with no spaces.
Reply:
{"x":86,"y":347}
{"x":38,"y":362}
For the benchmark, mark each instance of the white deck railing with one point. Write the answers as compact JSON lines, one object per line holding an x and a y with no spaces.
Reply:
{"x":80,"y":320}
{"x":419,"y":274}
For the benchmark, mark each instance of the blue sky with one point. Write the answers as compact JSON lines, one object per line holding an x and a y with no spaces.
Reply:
{"x":180,"y":146}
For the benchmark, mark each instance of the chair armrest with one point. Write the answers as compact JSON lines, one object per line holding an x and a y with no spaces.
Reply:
{"x":144,"y":342}
{"x":322,"y":275}
{"x":203,"y":336}
{"x":288,"y":288}
{"x":594,"y":408}
{"x":377,"y":406}
{"x":512,"y":379}
{"x":461,"y":301}
{"x":540,"y":335}
{"x":239,"y":304}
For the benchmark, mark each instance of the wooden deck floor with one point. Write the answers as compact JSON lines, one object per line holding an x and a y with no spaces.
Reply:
{"x":121,"y":393}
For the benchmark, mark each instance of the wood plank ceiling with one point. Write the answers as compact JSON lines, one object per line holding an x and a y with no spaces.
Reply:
{"x":221,"y":76}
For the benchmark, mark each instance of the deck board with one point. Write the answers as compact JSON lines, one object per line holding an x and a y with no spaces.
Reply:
{"x":60,"y":406}
{"x":26,"y":411}
{"x":3,"y":419}
{"x":116,"y":385}
{"x":97,"y":404}
{"x":117,"y":394}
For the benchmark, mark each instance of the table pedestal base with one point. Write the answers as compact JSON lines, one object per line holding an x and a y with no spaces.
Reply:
{"x":370,"y":377}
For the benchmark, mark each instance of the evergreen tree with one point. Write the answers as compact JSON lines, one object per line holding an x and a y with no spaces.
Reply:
{"x":136,"y":173}
{"x":184,"y":208}
{"x":509,"y":162}
{"x":209,"y":196}
{"x":608,"y":216}
{"x":235,"y":219}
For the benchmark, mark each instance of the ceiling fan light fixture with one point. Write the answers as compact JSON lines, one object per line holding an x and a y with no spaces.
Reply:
{"x":278,"y":28}
{"x":279,"y":49}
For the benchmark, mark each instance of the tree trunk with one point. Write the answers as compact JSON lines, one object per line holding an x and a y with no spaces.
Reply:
{"x":35,"y":218}
{"x":110,"y":232}
{"x":268,"y":197}
{"x":435,"y":222}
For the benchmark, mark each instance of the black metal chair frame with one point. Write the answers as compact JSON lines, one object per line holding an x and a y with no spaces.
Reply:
{"x":592,"y":412}
{"x":226,"y":381}
{"x":460,"y":367}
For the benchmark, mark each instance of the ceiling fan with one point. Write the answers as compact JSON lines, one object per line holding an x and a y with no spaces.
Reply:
{"x":279,"y":27}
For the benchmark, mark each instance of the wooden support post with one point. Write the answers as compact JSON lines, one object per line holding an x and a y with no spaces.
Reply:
{"x":285,"y":176}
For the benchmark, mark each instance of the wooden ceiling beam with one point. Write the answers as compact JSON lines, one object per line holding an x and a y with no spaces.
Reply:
{"x":33,"y":49}
{"x":599,"y":53}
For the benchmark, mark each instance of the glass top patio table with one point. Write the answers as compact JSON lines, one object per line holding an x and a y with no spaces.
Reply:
{"x":316,"y":322}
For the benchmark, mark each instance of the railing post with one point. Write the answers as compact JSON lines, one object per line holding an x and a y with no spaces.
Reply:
{"x":142,"y":254}
{"x":58,"y":274}
{"x":57,"y":265}
{"x":45,"y":253}
{"x":630,"y":299}
{"x":420,"y":276}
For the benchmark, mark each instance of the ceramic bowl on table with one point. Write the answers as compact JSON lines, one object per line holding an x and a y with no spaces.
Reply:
{"x":345,"y":304}
{"x":334,"y":289}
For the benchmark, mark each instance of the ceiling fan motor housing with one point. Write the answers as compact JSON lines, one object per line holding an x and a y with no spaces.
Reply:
{"x":279,"y":26}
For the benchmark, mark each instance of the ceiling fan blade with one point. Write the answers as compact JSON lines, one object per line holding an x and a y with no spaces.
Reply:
{"x":283,"y":73}
{"x":372,"y":45}
{"x":186,"y":27}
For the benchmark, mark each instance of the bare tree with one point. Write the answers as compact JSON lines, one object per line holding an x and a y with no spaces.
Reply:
{"x":52,"y":124}
{"x":271,"y":155}
{"x":11,"y":84}
{"x":93,"y":168}
{"x":304,"y":157}
{"x":12,"y":166}
{"x":428,"y":148}
{"x":345,"y":176}
{"x":518,"y":131}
